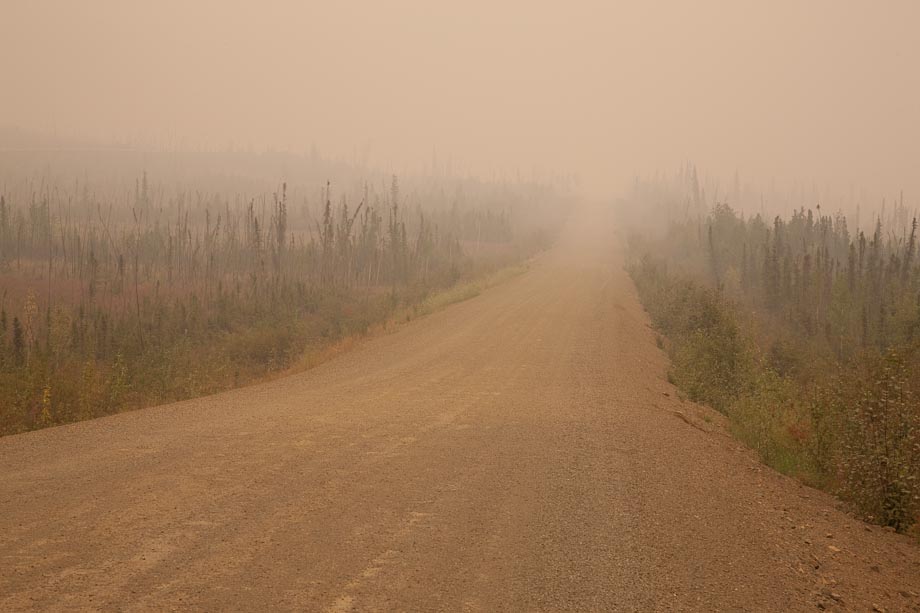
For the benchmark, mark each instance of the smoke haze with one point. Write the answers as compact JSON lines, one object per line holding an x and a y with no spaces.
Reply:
{"x":815,"y":91}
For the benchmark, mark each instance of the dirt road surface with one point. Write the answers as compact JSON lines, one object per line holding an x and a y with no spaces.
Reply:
{"x":521,"y":451}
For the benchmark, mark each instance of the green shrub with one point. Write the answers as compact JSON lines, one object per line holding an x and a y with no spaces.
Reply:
{"x":871,"y":423}
{"x":823,"y":378}
{"x":710,"y":357}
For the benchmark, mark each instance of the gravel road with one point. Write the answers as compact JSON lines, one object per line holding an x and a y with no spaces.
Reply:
{"x":520,"y":451}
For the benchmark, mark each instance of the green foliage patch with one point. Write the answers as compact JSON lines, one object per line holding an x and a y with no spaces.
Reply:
{"x":806,"y":338}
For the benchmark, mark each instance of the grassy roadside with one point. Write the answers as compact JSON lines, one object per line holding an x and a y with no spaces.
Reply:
{"x":851,"y":430}
{"x":264,"y":351}
{"x":433,"y":302}
{"x":469,"y":289}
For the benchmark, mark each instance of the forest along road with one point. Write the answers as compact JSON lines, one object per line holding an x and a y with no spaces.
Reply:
{"x":520,"y":451}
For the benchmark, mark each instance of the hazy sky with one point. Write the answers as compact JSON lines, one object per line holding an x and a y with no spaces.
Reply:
{"x":828,"y":90}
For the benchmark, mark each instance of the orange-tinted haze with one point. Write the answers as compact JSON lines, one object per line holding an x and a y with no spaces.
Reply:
{"x":818,"y":90}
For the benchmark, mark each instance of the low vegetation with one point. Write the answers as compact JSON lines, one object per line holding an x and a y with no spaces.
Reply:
{"x":807,"y":336}
{"x":115,"y":302}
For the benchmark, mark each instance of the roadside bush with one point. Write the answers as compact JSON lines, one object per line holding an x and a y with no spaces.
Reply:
{"x":823,"y":377}
{"x":768,"y":417}
{"x":710,"y":357}
{"x":873,"y":415}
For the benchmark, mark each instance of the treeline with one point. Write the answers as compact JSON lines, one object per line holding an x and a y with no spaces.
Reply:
{"x":843,"y":291}
{"x":108,"y":304}
{"x":806,"y":334}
